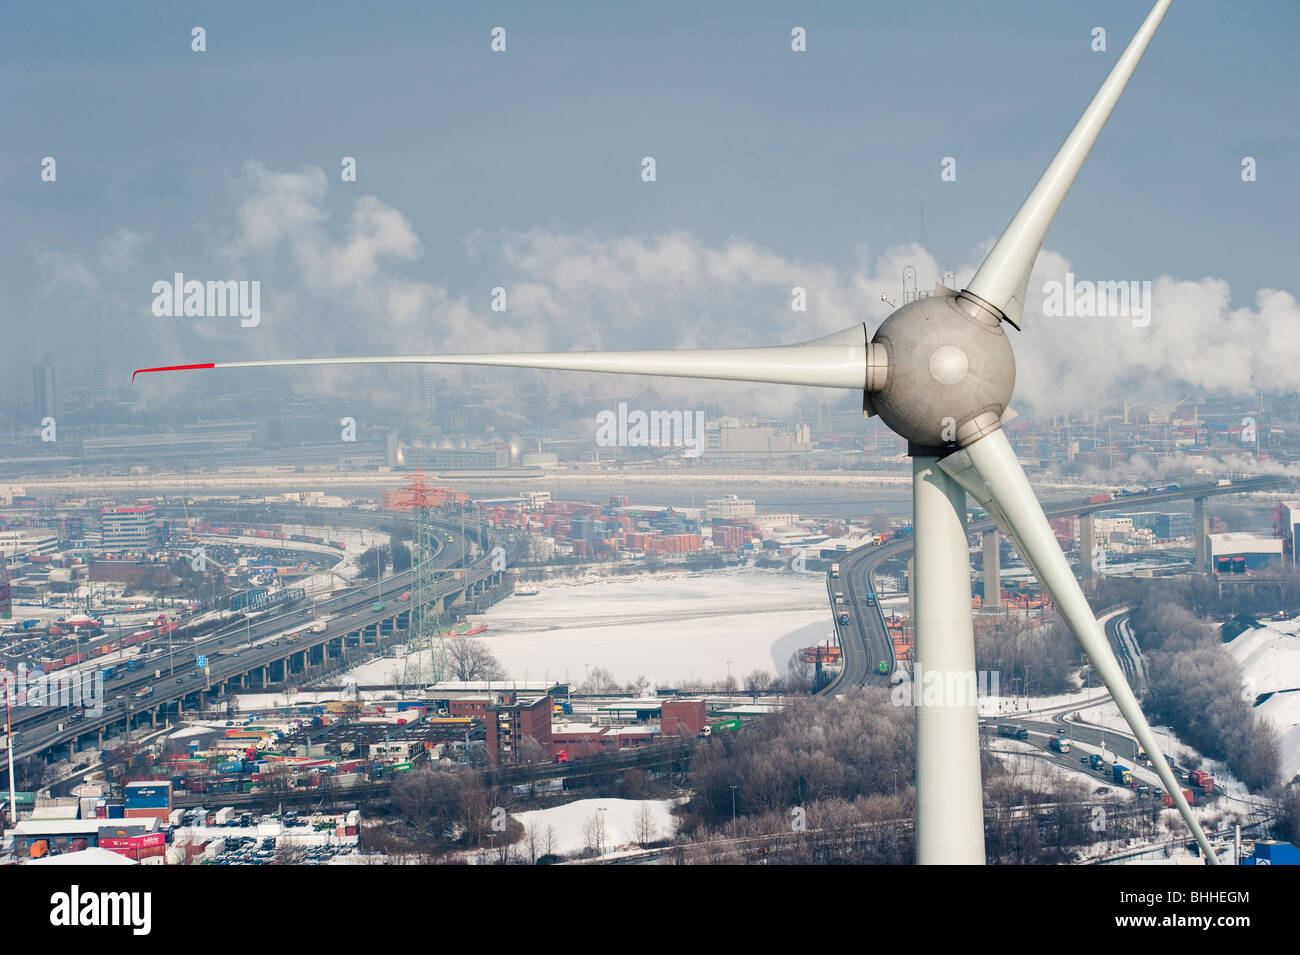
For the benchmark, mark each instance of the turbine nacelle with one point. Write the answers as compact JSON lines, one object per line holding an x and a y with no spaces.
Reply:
{"x":941,"y":371}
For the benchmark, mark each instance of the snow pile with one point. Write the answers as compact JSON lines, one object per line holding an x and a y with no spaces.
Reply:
{"x":569,"y":829}
{"x":1269,"y":658}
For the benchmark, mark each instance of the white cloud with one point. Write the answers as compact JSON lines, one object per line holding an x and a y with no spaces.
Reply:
{"x":359,"y":284}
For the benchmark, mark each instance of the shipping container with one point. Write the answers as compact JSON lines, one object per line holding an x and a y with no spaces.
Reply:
{"x":1269,"y":852}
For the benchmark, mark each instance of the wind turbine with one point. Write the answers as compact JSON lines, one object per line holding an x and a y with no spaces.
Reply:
{"x":939,"y":371}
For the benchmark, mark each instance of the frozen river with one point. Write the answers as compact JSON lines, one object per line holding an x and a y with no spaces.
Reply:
{"x":666,"y":627}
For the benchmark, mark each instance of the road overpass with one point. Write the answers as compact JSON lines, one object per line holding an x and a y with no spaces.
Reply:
{"x":865,"y":642}
{"x":257,"y":656}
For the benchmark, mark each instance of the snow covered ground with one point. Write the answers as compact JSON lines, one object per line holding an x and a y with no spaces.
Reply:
{"x":568,"y":829}
{"x":667,"y":627}
{"x":1270,"y":661}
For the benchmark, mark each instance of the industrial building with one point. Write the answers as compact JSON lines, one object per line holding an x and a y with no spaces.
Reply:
{"x":507,"y":725}
{"x":129,"y":528}
{"x":1237,"y":553}
{"x":451,"y":459}
{"x":1286,"y":525}
{"x":34,"y":838}
{"x":728,"y":437}
{"x":1163,"y":526}
{"x":728,"y":508}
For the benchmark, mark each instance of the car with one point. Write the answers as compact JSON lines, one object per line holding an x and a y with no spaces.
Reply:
{"x":180,"y":679}
{"x":1157,"y":791}
{"x":1084,"y":760}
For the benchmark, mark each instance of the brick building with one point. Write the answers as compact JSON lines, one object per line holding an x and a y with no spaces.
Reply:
{"x":508,"y":724}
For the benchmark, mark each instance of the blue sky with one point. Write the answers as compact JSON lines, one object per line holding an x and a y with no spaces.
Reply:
{"x":823,"y":158}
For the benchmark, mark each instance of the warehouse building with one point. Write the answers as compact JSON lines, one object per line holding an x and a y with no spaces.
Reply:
{"x":35,"y":838}
{"x":1238,"y":553}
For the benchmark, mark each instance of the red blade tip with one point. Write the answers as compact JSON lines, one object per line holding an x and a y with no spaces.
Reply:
{"x":141,"y":371}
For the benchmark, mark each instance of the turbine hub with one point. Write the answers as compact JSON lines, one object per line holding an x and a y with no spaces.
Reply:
{"x":948,"y":371}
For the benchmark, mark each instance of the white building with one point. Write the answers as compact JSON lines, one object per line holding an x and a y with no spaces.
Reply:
{"x":728,"y":508}
{"x":20,"y":545}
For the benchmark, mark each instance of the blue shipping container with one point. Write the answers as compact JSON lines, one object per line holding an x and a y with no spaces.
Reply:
{"x":1274,"y":853}
{"x":148,"y":796}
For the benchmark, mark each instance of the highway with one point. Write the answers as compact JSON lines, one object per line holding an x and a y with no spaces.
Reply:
{"x":256,"y":644}
{"x":864,"y":641}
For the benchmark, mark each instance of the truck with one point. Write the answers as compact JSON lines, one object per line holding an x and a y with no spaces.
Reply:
{"x":835,"y":570}
{"x":1099,"y":499}
{"x":871,"y":598}
{"x":318,"y":627}
{"x":722,"y":726}
{"x":844,"y":619}
{"x":107,"y":673}
{"x":1168,"y":800}
{"x":839,"y":597}
{"x":1011,"y":731}
{"x":1095,"y":761}
{"x":143,"y":693}
{"x":1121,"y":774}
{"x":1201,"y":780}
{"x":132,"y":665}
{"x":1059,"y":744}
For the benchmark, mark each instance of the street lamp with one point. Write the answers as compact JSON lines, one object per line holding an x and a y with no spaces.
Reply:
{"x":733,"y":810}
{"x":728,"y":681}
{"x":600,"y":836}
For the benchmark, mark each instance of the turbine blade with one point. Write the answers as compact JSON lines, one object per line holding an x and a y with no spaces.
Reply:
{"x":988,"y":468}
{"x":836,"y":361}
{"x":1002,"y":279}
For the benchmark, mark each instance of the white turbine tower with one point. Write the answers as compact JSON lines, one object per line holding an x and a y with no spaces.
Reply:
{"x":939,"y":371}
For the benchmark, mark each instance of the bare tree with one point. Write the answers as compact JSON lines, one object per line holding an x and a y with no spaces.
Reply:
{"x":471,"y":660}
{"x":594,"y":833}
{"x":799,"y":674}
{"x":758,"y":682}
{"x":533,"y":841}
{"x":600,"y":680}
{"x":647,"y":829}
